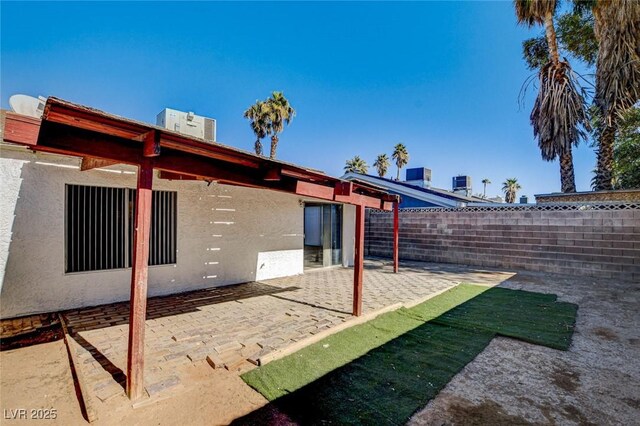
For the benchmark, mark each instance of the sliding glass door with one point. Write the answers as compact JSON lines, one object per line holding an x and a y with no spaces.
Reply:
{"x":322,"y":235}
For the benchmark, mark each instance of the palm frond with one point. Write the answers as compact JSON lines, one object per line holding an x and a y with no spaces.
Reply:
{"x":559,"y":116}
{"x":532,"y":12}
{"x":617,"y":28}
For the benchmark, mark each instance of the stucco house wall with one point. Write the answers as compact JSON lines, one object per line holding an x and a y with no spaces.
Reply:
{"x":225,"y":235}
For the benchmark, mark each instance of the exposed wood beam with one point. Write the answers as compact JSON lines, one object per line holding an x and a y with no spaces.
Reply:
{"x":344,"y":188}
{"x":89,"y":121}
{"x":314,"y":190}
{"x":273,"y":173}
{"x":139,"y":276}
{"x":206,"y":149}
{"x":358,"y":263}
{"x":19,"y":129}
{"x":359,"y":199}
{"x":89,"y":163}
{"x":327,"y":193}
{"x":151,"y":144}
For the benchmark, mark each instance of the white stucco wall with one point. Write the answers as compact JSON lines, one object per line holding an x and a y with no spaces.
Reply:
{"x":226,"y":235}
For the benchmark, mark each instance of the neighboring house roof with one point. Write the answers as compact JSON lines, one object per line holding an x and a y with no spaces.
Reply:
{"x":431,"y":195}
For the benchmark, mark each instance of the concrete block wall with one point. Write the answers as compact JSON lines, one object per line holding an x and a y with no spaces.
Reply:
{"x":597,"y":243}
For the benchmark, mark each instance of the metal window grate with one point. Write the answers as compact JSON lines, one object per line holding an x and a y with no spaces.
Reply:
{"x":162,"y":245}
{"x":99,"y":228}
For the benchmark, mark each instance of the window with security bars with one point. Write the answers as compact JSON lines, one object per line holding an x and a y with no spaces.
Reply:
{"x":99,"y":228}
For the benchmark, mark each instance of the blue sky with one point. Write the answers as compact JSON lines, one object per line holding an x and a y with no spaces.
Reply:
{"x":441,"y":77}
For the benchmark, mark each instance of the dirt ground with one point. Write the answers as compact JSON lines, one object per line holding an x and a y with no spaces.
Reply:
{"x":38,"y":377}
{"x":596,"y":382}
{"x":511,"y":382}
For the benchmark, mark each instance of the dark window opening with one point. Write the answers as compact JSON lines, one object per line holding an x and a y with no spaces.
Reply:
{"x":99,"y":228}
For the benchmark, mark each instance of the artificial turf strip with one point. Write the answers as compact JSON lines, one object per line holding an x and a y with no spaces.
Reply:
{"x":290,"y":373}
{"x":383,"y":371}
{"x":531,"y":317}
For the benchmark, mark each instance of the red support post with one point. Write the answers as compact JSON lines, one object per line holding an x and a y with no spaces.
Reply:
{"x":358,"y":263}
{"x":139,"y":273}
{"x":396,"y":231}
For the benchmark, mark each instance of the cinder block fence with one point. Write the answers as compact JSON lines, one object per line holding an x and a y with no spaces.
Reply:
{"x":594,"y":240}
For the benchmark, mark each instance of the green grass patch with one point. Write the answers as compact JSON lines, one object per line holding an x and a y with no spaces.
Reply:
{"x":384,"y":370}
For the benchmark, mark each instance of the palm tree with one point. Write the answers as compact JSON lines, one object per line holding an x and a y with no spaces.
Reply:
{"x":401,"y":157}
{"x":559,"y":113}
{"x":356,"y":165}
{"x":510,"y":187}
{"x":258,"y":116}
{"x":485,"y":182}
{"x":280,"y":114}
{"x":617,"y":30}
{"x":382,"y":164}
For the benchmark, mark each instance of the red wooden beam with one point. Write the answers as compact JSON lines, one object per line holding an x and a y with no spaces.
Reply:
{"x":314,"y":190}
{"x":273,"y":174}
{"x":19,"y":129}
{"x":139,"y":275}
{"x":151,"y":144}
{"x":396,"y":228}
{"x":344,"y":188}
{"x":359,"y":199}
{"x":328,"y":193}
{"x":358,"y":263}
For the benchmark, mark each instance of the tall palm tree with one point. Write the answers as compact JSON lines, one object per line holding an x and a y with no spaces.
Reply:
{"x":280,"y":114}
{"x":258,"y":116}
{"x":356,"y":165}
{"x":617,"y":29}
{"x":559,"y":112}
{"x":382,"y":164}
{"x":510,"y":187}
{"x":485,"y":182}
{"x":401,"y":157}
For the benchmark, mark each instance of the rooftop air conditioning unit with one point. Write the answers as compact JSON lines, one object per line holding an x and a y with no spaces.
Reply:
{"x":187,"y":123}
{"x":419,"y":176}
{"x":462,"y":184}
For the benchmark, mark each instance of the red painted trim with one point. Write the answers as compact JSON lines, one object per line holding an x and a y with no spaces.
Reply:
{"x":358,"y":262}
{"x":396,"y":230}
{"x":139,"y":275}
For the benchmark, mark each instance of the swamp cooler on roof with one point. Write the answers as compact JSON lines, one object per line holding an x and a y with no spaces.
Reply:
{"x":187,"y":123}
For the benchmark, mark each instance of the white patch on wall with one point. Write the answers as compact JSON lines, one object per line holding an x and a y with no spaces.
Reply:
{"x":280,"y":263}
